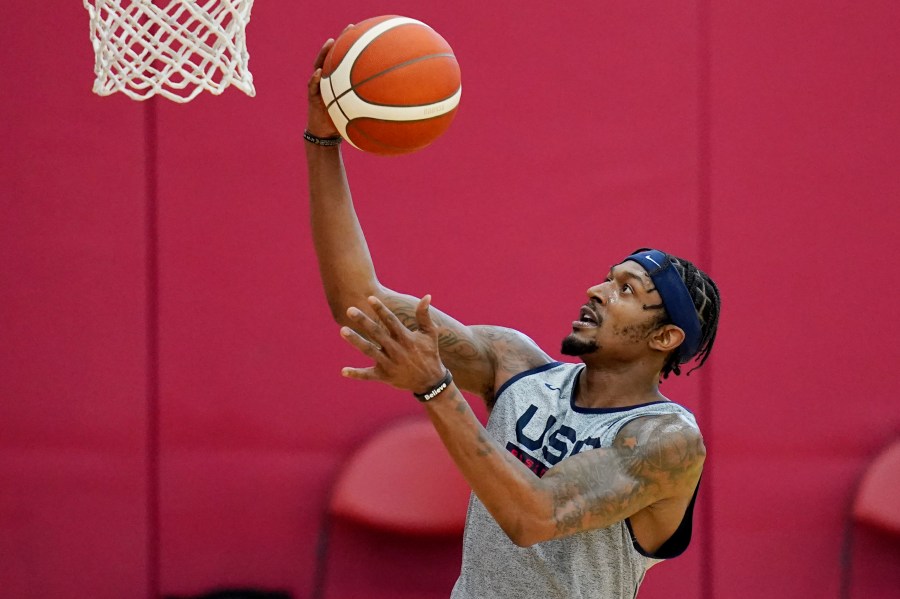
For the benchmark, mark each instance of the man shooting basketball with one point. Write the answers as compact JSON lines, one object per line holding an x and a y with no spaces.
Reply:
{"x":585,"y":474}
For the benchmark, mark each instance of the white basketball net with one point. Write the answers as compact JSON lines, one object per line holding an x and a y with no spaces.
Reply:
{"x":174,"y":48}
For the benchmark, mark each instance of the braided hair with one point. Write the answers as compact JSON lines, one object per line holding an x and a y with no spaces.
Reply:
{"x":707,"y":302}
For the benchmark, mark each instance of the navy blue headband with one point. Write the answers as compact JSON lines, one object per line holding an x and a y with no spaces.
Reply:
{"x":675,"y":296}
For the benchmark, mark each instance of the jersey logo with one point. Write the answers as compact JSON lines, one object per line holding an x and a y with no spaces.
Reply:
{"x":554,"y":442}
{"x":551,"y":387}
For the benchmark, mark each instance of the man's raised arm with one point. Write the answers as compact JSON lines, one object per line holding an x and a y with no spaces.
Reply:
{"x":480,"y":358}
{"x":344,"y":262}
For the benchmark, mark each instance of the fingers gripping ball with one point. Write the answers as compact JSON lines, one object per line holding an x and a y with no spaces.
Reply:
{"x":391,"y":85}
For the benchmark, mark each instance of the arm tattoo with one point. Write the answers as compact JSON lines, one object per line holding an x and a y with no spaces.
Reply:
{"x":453,"y":346}
{"x":456,"y":347}
{"x":513,"y":353}
{"x":485,"y":448}
{"x":404,"y":311}
{"x":480,"y":355}
{"x":649,"y":458}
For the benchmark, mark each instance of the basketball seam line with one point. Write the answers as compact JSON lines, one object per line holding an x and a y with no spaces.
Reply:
{"x":380,"y":73}
{"x":331,"y":84}
{"x":370,"y":103}
{"x":428,"y":118}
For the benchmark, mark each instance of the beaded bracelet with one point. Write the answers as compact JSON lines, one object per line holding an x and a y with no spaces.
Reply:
{"x":322,"y":141}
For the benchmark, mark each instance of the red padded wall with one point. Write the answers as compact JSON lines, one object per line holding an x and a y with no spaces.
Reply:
{"x":805,"y":141}
{"x":73,"y":320}
{"x":169,"y":385}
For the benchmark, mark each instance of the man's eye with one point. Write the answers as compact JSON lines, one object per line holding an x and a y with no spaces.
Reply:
{"x":627,"y":289}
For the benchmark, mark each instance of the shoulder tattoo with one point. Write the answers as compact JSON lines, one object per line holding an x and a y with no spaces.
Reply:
{"x":513,"y":351}
{"x":650,"y":457}
{"x":663,"y":449}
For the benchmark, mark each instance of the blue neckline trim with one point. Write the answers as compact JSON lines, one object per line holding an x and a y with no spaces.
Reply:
{"x":575,"y":408}
{"x":612,"y":410}
{"x":524,"y":373}
{"x":603,"y":410}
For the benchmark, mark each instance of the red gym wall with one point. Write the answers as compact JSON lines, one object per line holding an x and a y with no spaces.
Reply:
{"x":171,"y":410}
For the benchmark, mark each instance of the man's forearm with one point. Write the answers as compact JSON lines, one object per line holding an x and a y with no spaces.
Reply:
{"x":344,"y":262}
{"x":515,"y":497}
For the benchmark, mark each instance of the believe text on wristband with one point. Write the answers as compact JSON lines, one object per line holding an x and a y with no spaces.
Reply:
{"x":436,"y":390}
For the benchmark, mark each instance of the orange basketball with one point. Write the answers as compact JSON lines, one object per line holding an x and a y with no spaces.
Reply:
{"x":391,"y":85}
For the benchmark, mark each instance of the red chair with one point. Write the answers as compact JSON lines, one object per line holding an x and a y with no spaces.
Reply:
{"x":871,"y":552}
{"x":395,"y":519}
{"x":877,"y":502}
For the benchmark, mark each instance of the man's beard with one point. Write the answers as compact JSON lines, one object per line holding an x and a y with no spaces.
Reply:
{"x":573,"y":346}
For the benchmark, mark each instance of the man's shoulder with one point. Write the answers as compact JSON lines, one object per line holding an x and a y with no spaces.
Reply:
{"x":518,"y":350}
{"x":672,"y":420}
{"x":512,"y":352}
{"x":664,"y":444}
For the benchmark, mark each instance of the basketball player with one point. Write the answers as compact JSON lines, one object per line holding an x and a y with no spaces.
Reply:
{"x":585,"y":475}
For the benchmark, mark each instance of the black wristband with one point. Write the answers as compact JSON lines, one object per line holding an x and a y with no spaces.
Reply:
{"x":321,"y":141}
{"x":436,"y":390}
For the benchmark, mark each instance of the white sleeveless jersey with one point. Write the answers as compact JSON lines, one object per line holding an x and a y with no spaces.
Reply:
{"x":536,"y":420}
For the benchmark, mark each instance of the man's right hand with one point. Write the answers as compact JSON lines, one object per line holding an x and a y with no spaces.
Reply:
{"x":317,"y":120}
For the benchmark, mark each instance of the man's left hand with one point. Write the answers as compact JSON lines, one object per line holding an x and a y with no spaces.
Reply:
{"x":403,"y":358}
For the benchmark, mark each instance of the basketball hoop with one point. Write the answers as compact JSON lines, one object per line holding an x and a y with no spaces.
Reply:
{"x":174,"y":48}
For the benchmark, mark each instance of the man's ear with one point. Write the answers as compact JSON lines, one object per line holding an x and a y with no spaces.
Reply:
{"x":666,"y":338}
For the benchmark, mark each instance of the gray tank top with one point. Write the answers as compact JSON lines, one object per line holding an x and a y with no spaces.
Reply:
{"x":536,"y":420}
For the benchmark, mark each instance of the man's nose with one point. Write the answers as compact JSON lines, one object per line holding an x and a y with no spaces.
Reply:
{"x":596,"y":293}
